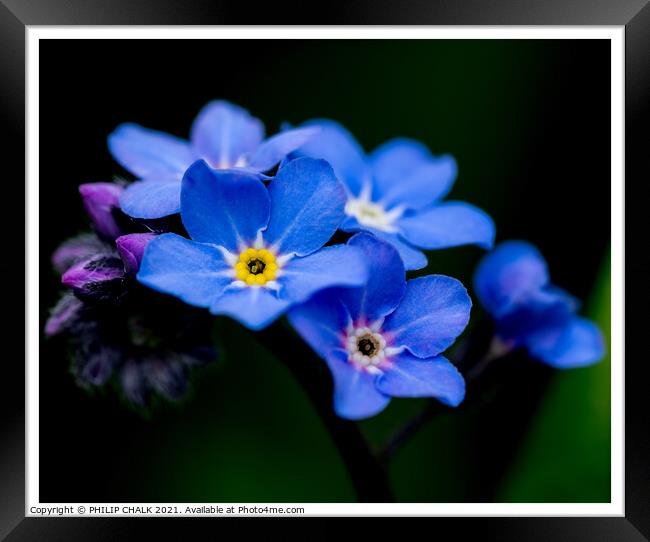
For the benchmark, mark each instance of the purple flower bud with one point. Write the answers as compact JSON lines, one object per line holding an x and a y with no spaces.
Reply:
{"x":99,"y":278}
{"x":133,"y":383}
{"x":97,"y":368}
{"x":76,"y":249}
{"x":63,"y":314}
{"x":198,"y":355}
{"x":100,"y":199}
{"x":131,"y":248}
{"x":166,"y":376}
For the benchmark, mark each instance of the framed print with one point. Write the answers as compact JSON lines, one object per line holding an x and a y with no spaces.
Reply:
{"x":334,"y":270}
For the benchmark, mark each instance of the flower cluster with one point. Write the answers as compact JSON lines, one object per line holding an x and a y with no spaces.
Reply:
{"x":303,"y":223}
{"x":118,"y":331}
{"x":396,"y":192}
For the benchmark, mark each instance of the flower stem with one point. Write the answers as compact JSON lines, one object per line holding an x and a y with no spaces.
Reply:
{"x":433,"y":409}
{"x":409,"y":429}
{"x":366,"y":472}
{"x":496,"y":350}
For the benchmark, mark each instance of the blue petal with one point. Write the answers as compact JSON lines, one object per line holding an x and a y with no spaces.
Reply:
{"x":355,"y":394}
{"x":254,"y":307}
{"x":578,"y":344}
{"x":224,"y":207}
{"x":151,"y":199}
{"x":321,"y":322}
{"x":222,"y":133}
{"x":406,"y":173}
{"x":338,"y":265}
{"x":448,"y":225}
{"x":541,"y":310}
{"x":339,"y":147}
{"x":307,"y":206}
{"x":572,"y":301}
{"x":411,"y":257}
{"x":386,"y":280}
{"x":512,"y":271}
{"x":409,"y":376}
{"x":434,"y":311}
{"x":149,"y":154}
{"x":193,"y":272}
{"x":274,"y":149}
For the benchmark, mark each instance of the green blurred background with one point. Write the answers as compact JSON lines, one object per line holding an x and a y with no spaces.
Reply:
{"x":528,"y":122}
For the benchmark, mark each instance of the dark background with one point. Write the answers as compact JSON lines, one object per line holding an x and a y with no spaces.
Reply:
{"x":528,"y":122}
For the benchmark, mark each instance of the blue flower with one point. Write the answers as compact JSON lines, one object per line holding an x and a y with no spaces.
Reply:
{"x":254,"y":251}
{"x":384,"y":339}
{"x":396,"y":192}
{"x":512,"y":283}
{"x":224,"y":135}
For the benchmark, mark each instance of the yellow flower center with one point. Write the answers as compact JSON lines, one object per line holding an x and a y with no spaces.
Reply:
{"x":256,"y":267}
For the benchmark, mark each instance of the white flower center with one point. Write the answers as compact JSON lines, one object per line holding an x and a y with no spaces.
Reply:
{"x":366,"y":348}
{"x":241,"y":161}
{"x":370,"y":213}
{"x":225,"y":163}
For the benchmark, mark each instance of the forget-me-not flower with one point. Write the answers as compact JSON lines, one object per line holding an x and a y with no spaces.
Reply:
{"x":384,"y":339}
{"x":513,"y":285}
{"x":224,"y":135}
{"x":396,"y":191}
{"x":255,"y":251}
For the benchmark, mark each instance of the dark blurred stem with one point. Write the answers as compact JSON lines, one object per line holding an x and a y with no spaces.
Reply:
{"x":496,"y":350}
{"x":433,"y":409}
{"x":367,"y":474}
{"x":409,"y":429}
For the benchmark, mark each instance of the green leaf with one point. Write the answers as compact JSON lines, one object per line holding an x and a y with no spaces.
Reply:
{"x":566,"y":455}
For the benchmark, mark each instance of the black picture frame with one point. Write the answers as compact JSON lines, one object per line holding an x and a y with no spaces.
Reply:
{"x":16,"y":15}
